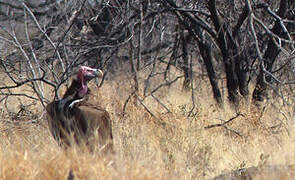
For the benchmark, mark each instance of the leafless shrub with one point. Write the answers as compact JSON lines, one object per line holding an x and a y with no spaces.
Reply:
{"x":237,"y":43}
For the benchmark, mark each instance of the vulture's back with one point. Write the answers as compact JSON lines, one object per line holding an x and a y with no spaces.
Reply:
{"x":96,"y":119}
{"x":85,"y":122}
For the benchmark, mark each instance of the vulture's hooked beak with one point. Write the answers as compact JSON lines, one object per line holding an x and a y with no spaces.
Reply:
{"x":99,"y":74}
{"x":96,"y":73}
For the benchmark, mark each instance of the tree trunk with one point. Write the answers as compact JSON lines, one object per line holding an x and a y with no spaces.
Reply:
{"x":228,"y":53}
{"x":174,"y":52}
{"x":140,"y":38}
{"x":206,"y":54}
{"x":270,"y":55}
{"x":185,"y":64}
{"x":243,"y":74}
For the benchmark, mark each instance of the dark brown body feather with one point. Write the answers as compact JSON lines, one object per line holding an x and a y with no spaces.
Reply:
{"x":83,"y":122}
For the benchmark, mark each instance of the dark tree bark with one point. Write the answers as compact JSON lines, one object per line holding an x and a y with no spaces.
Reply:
{"x":243,"y":74}
{"x":270,"y":55}
{"x":206,"y":54}
{"x":185,"y":39}
{"x":140,"y":36}
{"x":172,"y":58}
{"x":228,"y":52}
{"x":194,"y":28}
{"x":242,"y":61}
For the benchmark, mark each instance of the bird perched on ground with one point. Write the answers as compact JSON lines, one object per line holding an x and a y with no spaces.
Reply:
{"x":75,"y":119}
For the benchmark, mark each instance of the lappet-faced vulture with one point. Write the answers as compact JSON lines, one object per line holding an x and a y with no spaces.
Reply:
{"x":76,"y":119}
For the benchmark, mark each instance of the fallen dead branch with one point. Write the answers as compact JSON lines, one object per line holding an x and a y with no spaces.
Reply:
{"x":226,"y":122}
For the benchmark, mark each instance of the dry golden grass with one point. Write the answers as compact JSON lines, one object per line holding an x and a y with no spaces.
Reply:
{"x":172,"y":146}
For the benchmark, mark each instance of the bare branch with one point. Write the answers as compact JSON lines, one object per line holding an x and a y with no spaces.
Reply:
{"x":45,"y":34}
{"x":72,"y":20}
{"x":165,"y":84}
{"x":20,"y":83}
{"x":18,"y":94}
{"x":224,"y":123}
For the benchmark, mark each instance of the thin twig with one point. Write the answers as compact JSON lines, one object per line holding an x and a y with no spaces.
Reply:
{"x":158,"y":120}
{"x":165,"y":84}
{"x":127,"y":100}
{"x":18,"y":94}
{"x":45,"y":34}
{"x":224,"y":123}
{"x":234,"y":131}
{"x":20,"y":83}
{"x":75,"y":15}
{"x":162,"y":104}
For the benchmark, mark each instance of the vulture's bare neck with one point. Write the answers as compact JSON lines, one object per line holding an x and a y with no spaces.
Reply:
{"x":73,"y":90}
{"x":72,"y":97}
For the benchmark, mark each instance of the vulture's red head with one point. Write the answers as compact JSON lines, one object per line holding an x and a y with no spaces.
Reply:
{"x":84,"y":75}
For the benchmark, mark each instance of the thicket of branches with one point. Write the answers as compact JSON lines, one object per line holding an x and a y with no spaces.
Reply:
{"x":236,"y":42}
